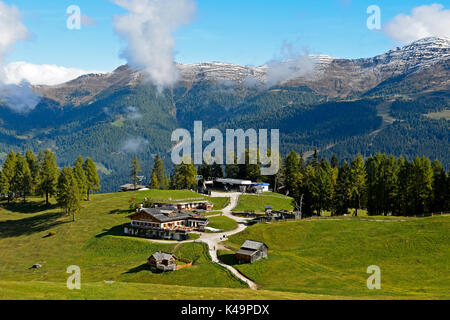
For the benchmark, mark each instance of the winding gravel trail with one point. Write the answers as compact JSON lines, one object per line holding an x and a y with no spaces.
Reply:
{"x":213,"y":240}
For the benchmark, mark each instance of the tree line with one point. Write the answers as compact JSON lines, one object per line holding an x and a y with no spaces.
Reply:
{"x":27,"y":175}
{"x":382,"y":184}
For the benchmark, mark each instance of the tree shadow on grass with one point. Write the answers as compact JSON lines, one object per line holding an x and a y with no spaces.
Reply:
{"x":29,"y":207}
{"x":28,"y":226}
{"x":114,"y":231}
{"x":118,"y":211}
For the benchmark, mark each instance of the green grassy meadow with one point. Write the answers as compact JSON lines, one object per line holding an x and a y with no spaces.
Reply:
{"x":307,"y":259}
{"x":222,"y":223}
{"x":257,"y":203}
{"x":332,"y":257}
{"x":96,"y":244}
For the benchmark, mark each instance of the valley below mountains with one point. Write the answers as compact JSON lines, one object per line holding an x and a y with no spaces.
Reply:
{"x":395,"y":103}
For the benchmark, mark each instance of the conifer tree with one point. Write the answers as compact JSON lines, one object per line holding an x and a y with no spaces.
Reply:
{"x":22,"y":181}
{"x":34,"y":166}
{"x":135,"y":170}
{"x":9,"y":170}
{"x":92,"y":180}
{"x":440,"y":194}
{"x":154,"y":183}
{"x":421,"y":186}
{"x":158,"y":169}
{"x":80,"y":175}
{"x":358,"y":179}
{"x":291,"y":172}
{"x":68,"y":193}
{"x":184,"y":175}
{"x":48,"y":175}
{"x":4,"y":185}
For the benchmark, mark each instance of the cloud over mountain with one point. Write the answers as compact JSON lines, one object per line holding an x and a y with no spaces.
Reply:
{"x":21,"y":97}
{"x":425,"y":21}
{"x":148,"y":30}
{"x":17,"y":72}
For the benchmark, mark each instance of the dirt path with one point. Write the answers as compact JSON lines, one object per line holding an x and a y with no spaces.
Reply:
{"x":213,"y":240}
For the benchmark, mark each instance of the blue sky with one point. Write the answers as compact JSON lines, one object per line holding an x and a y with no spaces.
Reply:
{"x":249,"y":32}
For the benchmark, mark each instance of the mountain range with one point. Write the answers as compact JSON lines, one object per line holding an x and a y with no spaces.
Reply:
{"x":390,"y":103}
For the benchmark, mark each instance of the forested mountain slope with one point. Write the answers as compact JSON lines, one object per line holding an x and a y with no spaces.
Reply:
{"x":343,"y":107}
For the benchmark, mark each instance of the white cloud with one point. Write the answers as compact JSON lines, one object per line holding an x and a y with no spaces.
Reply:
{"x":19,"y":97}
{"x":424,"y":21}
{"x":148,"y":29}
{"x":134,"y":145}
{"x":290,"y":65}
{"x":17,"y":72}
{"x":12,"y":30}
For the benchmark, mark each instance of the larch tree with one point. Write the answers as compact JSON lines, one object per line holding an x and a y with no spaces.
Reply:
{"x":342,"y":193}
{"x":9,"y":171}
{"x":358,"y":178}
{"x":68,"y":193}
{"x":421,"y":188}
{"x":80,"y":175}
{"x":4,"y":185}
{"x":22,"y":181}
{"x":184,"y":175}
{"x":92,"y":180}
{"x":440,"y":194}
{"x":154,"y":183}
{"x":291,"y":172}
{"x":48,"y":175}
{"x":135,"y":170}
{"x":158,"y":170}
{"x":33,"y":164}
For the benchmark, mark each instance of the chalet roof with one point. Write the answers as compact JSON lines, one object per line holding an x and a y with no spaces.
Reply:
{"x":130,"y":186}
{"x":253,"y":245}
{"x":161,"y":256}
{"x":246,"y":252}
{"x":234,"y":181}
{"x":174,"y":203}
{"x":165,"y":215}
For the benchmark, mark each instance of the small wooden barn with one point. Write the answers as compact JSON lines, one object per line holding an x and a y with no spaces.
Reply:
{"x":163,"y":262}
{"x":252,"y":251}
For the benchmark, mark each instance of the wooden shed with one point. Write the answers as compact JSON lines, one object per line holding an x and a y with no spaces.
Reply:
{"x":252,"y":251}
{"x":161,"y":261}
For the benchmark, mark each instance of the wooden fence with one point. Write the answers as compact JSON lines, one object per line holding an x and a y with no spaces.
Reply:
{"x":187,"y":265}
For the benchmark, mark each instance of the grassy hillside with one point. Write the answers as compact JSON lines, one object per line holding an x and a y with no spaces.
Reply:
{"x":258,"y":202}
{"x":95,"y":243}
{"x":331,"y":257}
{"x":136,"y":291}
{"x":222,"y":223}
{"x":308,"y":259}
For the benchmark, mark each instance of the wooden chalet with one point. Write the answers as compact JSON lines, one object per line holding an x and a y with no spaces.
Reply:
{"x":188,"y":206}
{"x":165,"y":224}
{"x":252,"y":251}
{"x":162,"y":262}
